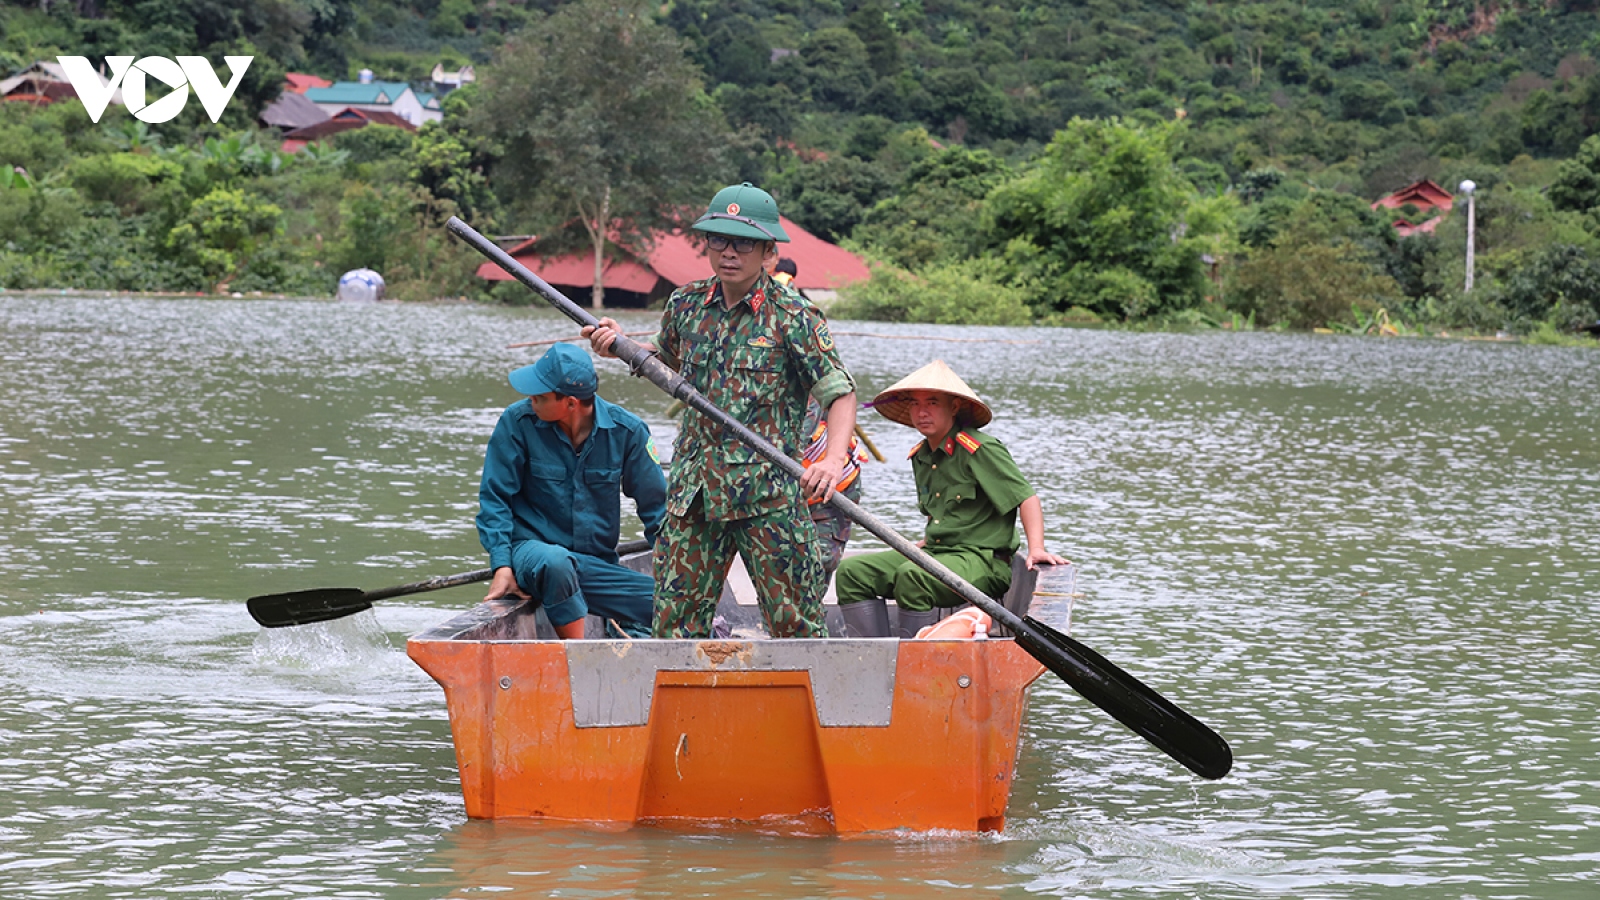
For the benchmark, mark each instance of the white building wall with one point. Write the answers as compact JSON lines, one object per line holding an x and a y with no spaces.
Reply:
{"x":407,"y":107}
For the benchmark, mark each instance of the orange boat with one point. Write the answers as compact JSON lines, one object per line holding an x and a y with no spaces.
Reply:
{"x":832,"y":735}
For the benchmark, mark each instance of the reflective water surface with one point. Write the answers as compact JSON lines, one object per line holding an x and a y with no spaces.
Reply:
{"x":1369,"y":564}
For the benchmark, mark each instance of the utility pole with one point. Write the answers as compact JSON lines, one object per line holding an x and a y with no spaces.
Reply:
{"x":1468,"y":187}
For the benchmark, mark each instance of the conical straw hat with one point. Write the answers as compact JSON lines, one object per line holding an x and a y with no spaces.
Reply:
{"x":894,"y":404}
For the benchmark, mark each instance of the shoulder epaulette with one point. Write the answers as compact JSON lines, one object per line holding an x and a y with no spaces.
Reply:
{"x":919,"y":445}
{"x":968,"y":441}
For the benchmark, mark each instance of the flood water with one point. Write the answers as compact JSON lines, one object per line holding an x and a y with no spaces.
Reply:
{"x":1370,"y":564}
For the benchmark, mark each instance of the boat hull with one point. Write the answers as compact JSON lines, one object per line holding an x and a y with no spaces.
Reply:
{"x":829,"y":735}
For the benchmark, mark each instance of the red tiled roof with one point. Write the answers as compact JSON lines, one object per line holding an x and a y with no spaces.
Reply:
{"x":576,"y":269}
{"x":1423,"y":194}
{"x":819,"y":264}
{"x":679,"y":259}
{"x":299,"y":81}
{"x":1406,"y":229}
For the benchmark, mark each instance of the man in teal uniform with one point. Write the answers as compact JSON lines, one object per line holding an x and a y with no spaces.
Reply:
{"x":550,"y":504}
{"x":755,"y":349}
{"x":972,"y":493}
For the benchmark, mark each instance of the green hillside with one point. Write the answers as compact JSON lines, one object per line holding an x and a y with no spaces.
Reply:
{"x":936,"y":135}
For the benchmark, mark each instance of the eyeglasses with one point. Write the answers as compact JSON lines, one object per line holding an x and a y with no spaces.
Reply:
{"x":720,"y":243}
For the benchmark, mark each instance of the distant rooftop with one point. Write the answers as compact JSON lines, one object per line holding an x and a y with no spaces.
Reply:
{"x":300,"y":82}
{"x":447,"y":80}
{"x":291,"y":110}
{"x":376,"y":92}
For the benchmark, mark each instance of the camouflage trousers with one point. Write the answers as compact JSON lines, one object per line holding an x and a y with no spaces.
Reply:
{"x":833,"y":528}
{"x":780,"y":551}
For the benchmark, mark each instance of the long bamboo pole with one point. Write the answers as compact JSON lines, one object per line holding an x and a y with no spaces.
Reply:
{"x":931,"y":337}
{"x":562,"y":340}
{"x":871,"y":447}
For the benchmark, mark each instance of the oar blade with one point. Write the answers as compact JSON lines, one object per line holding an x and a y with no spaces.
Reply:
{"x":1128,"y":700}
{"x":306,"y":607}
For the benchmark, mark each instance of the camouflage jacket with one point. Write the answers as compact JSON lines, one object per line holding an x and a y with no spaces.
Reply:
{"x":757,"y":362}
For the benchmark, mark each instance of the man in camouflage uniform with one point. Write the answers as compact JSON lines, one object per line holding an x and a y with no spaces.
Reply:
{"x":756,"y":349}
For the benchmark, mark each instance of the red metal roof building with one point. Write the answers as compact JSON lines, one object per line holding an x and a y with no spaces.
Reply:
{"x":1425,"y":196}
{"x":345,"y":120}
{"x":676,"y":259}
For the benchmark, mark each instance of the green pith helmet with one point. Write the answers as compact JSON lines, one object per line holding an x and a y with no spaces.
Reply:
{"x":743,"y":211}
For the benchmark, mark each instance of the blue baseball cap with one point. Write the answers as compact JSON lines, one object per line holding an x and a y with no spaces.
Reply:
{"x":564,"y":370}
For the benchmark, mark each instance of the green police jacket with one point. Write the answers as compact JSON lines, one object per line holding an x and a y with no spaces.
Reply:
{"x":969,"y":487}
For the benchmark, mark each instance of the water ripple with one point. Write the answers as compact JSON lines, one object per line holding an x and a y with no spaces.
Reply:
{"x":1367,"y":563}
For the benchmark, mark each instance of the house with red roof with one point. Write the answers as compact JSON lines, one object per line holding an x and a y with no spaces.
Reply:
{"x":298,"y":82}
{"x":345,"y":120}
{"x":1425,"y":197}
{"x":43,"y":83}
{"x":676,"y":258}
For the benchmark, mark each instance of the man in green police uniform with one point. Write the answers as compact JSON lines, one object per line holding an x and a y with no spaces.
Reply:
{"x":755,"y":348}
{"x":972,"y":493}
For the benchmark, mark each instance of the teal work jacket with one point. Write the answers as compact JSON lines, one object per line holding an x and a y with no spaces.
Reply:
{"x":535,"y":487}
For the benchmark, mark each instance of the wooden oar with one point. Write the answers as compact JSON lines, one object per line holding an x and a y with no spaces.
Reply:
{"x":1150,"y":715}
{"x":323,"y":604}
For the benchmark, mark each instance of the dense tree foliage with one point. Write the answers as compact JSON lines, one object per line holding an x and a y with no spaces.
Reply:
{"x":935,"y":215}
{"x":1105,"y":222}
{"x":615,"y":141}
{"x":1133,"y":161}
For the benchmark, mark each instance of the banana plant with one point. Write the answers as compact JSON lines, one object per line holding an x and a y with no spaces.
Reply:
{"x":135,"y":137}
{"x":321,"y":153}
{"x":15,"y":178}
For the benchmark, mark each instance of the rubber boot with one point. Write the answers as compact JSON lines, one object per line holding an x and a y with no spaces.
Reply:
{"x":867,"y":619}
{"x":914,"y":620}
